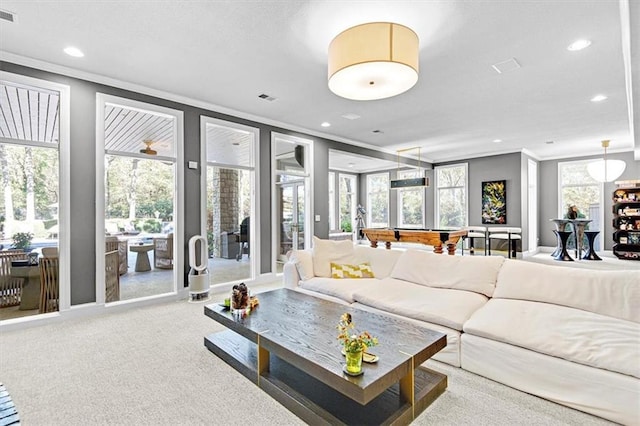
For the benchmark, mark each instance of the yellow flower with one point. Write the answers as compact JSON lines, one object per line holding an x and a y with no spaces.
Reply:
{"x":353,"y":342}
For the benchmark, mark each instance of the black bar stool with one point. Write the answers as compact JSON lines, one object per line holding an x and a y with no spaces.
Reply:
{"x":591,"y":253}
{"x":563,"y":237}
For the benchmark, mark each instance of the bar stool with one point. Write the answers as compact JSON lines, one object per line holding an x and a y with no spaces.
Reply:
{"x":563,"y":255}
{"x":561,"y":225}
{"x":511,"y":234}
{"x":578,"y":231}
{"x":591,"y":253}
{"x":476,"y":232}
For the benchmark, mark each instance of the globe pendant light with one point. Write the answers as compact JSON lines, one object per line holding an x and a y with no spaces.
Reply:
{"x":606,"y":170}
{"x":373,"y":61}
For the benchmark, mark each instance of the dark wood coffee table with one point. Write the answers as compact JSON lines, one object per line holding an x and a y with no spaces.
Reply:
{"x":288,"y":346}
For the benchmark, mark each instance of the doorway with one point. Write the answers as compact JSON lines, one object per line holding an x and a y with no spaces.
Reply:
{"x":292,"y":165}
{"x":229,"y":200}
{"x":138,"y":205}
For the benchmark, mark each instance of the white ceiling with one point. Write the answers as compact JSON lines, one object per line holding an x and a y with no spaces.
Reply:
{"x":224,"y":54}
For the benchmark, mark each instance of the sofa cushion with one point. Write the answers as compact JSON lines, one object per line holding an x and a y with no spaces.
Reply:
{"x":303,"y":260}
{"x":471,"y":273}
{"x":450,"y":308}
{"x":382,"y":260}
{"x":342,"y":289}
{"x":575,"y":335}
{"x":327,"y":251}
{"x":612,"y":293}
{"x":345,"y":270}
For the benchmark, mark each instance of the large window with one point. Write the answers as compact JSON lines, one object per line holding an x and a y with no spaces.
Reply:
{"x":347,"y":193}
{"x":378,"y":200}
{"x":578,"y":188}
{"x":451,"y":196}
{"x":410,"y":202}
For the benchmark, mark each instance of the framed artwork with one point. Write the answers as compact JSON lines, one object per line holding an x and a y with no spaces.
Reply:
{"x":494,"y":202}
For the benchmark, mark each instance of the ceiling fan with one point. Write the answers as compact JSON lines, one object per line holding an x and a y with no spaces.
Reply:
{"x":148,"y":149}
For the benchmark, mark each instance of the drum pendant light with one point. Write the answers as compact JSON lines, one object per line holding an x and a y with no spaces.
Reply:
{"x":373,"y":61}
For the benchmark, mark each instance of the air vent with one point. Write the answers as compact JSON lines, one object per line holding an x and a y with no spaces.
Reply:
{"x":8,"y":16}
{"x":377,"y":131}
{"x":267,"y":97}
{"x":351,"y":116}
{"x":506,"y":66}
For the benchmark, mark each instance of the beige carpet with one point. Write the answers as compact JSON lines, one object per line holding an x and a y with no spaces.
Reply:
{"x":148,"y":366}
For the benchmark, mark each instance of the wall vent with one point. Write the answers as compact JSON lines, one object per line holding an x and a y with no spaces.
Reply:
{"x":267,"y":97}
{"x":506,"y":66}
{"x":8,"y":16}
{"x":351,"y":116}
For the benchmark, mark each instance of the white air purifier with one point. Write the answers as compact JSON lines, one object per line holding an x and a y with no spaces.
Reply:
{"x":198,"y":272}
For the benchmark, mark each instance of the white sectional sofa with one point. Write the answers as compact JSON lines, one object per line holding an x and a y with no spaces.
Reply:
{"x":571,"y":336}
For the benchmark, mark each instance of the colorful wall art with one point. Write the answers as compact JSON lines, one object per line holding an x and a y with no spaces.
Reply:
{"x":494,"y":202}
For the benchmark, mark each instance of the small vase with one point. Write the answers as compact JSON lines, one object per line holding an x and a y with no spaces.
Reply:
{"x":354,"y":362}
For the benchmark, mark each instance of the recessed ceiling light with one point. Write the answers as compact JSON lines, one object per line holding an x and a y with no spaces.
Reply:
{"x":579,"y":45}
{"x":73,"y":51}
{"x":598,"y":98}
{"x":326,"y":124}
{"x":497,"y":140}
{"x":351,"y":164}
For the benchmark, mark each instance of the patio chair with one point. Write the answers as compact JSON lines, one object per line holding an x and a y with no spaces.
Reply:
{"x":49,"y":287}
{"x":112,"y":276}
{"x":243,"y":238}
{"x":121,"y":246}
{"x":10,"y":287}
{"x":50,"y":251}
{"x":163,"y":252}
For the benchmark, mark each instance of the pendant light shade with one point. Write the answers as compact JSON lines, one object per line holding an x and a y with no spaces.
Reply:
{"x":373,"y":61}
{"x":606,"y":170}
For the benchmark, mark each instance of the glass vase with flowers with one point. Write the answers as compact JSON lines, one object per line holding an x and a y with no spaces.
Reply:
{"x":354,"y":344}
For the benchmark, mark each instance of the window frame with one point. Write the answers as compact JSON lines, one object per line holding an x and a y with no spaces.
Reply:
{"x":354,"y":200}
{"x":409,"y":174}
{"x":370,"y":223}
{"x":561,"y":202}
{"x":437,"y":190}
{"x":64,"y":180}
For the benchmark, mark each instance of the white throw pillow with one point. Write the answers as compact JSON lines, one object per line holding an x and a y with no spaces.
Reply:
{"x":327,"y":251}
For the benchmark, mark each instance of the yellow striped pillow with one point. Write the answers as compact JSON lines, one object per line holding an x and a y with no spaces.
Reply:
{"x":362,"y":270}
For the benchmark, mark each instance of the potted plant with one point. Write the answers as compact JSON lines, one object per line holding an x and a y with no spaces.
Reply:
{"x":22,"y":240}
{"x":353,"y":344}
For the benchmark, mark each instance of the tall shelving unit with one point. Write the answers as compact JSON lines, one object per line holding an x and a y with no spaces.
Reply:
{"x":626,"y":220}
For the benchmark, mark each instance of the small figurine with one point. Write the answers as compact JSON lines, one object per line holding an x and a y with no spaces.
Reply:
{"x":239,"y":296}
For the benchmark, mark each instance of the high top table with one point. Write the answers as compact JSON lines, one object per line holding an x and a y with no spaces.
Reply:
{"x":288,"y":347}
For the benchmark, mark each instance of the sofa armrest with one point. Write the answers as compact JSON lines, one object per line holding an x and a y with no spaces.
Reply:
{"x":299,"y":266}
{"x":290,"y":275}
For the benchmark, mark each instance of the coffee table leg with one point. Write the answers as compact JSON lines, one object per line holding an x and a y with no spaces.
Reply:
{"x":263,"y":360}
{"x":407,"y":391}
